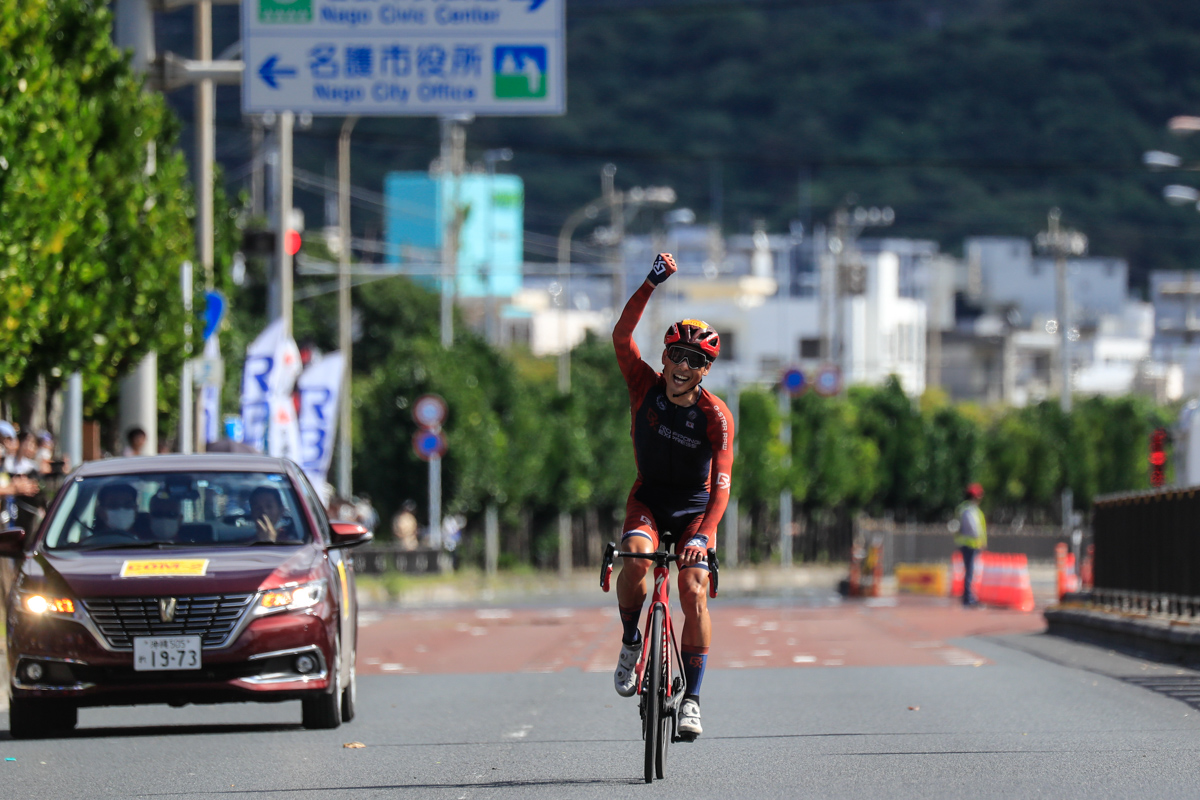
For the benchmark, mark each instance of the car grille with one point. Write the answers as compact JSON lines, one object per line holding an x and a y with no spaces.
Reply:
{"x":211,"y":617}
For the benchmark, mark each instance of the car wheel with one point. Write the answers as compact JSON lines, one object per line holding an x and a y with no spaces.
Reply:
{"x":350,"y":693}
{"x":35,"y":718}
{"x":324,"y":710}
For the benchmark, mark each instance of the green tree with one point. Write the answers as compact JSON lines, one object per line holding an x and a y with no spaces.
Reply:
{"x":94,"y":201}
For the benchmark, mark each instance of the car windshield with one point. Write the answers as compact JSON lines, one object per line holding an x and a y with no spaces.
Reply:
{"x":178,"y":509}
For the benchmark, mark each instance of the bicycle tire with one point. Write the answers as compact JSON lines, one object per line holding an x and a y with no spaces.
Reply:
{"x":653,"y":685}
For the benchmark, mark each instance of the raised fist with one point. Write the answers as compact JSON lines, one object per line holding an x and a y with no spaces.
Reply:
{"x":664,"y":267}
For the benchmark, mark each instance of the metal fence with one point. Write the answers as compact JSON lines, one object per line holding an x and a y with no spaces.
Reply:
{"x":377,"y":560}
{"x":1146,"y":543}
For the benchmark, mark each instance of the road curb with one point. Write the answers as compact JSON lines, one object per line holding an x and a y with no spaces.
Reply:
{"x":1165,"y":640}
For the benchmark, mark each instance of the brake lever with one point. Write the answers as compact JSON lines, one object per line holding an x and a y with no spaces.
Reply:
{"x":606,"y":566}
{"x":713,"y":573}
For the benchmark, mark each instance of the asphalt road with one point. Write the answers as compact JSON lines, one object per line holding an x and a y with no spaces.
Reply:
{"x":1011,"y":714}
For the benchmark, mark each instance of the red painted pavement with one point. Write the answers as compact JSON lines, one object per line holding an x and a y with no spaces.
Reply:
{"x":904,"y":631}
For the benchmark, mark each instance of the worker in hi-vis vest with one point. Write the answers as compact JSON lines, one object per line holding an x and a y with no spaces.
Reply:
{"x":971,"y":538}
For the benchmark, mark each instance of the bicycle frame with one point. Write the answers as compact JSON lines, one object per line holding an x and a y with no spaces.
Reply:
{"x":673,"y":685}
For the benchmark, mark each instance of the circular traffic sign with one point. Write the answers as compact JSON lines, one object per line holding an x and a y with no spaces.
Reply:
{"x":429,"y":444}
{"x":794,"y":381}
{"x":429,"y":411}
{"x":829,"y":380}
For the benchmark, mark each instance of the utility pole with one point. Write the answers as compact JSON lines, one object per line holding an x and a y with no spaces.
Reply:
{"x":1062,"y":243}
{"x":187,"y":400}
{"x":345,"y":453}
{"x":453,"y":154}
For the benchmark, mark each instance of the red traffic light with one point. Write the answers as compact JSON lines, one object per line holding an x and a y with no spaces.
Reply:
{"x":291,"y":242}
{"x":1158,"y":457}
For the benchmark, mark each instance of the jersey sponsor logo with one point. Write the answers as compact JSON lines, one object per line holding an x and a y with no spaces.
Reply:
{"x":652,"y":418}
{"x":724,"y":427}
{"x":677,"y":437}
{"x":690,"y":424}
{"x":723,"y":481}
{"x":646,"y":520}
{"x":661,"y":402}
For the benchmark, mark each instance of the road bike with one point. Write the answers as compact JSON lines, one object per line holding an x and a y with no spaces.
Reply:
{"x":660,"y":669}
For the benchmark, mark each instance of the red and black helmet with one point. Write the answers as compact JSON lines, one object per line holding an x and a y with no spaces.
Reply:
{"x":696,"y":334}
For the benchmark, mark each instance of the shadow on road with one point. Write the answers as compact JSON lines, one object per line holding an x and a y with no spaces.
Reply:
{"x":171,"y":730}
{"x":513,"y":784}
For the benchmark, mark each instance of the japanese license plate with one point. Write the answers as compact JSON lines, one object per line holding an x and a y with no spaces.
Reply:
{"x":156,"y":653}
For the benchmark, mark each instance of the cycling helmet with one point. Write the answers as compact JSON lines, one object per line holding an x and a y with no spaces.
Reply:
{"x":696,"y":334}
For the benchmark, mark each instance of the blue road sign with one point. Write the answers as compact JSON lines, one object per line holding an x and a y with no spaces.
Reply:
{"x":398,"y":58}
{"x":794,"y":381}
{"x":429,"y":444}
{"x":829,"y":380}
{"x":214,"y":310}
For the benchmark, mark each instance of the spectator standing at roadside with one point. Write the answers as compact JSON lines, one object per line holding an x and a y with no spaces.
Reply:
{"x":135,"y":440}
{"x":971,"y":538}
{"x":404,"y":526}
{"x":25,"y":465}
{"x":11,"y":486}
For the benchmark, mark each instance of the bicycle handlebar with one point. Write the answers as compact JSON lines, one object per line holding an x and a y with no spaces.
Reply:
{"x":660,"y":558}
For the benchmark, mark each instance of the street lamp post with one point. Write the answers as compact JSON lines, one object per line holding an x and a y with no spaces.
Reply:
{"x":1062,"y":243}
{"x":490,"y":157}
{"x":612,"y":198}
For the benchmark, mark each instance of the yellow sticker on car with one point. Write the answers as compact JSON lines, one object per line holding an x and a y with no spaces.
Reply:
{"x":165,"y":568}
{"x":345,"y":591}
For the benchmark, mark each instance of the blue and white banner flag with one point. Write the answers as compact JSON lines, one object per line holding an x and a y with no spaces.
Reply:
{"x":320,"y":390}
{"x":268,"y":413}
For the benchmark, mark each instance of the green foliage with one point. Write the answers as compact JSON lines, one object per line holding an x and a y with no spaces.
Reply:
{"x":94,"y":201}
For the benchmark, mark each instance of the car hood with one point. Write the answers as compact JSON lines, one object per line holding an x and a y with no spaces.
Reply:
{"x":227,"y":571}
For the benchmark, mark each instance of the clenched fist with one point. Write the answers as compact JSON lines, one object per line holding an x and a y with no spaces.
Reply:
{"x":664,"y":267}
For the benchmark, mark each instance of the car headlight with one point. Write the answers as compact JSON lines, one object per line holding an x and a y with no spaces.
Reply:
{"x":47,"y":604}
{"x":290,"y":598}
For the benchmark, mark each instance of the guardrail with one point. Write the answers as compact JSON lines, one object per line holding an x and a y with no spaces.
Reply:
{"x":376,"y":560}
{"x":1146,"y":543}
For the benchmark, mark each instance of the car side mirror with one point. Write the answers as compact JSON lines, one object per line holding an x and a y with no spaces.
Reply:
{"x":349,"y":534}
{"x":12,"y":543}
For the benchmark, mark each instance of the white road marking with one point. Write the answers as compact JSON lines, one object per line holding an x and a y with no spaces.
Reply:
{"x":804,"y":659}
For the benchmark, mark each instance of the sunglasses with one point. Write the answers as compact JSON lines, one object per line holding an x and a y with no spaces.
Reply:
{"x":694,"y":360}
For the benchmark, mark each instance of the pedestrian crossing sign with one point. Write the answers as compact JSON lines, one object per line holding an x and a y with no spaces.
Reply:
{"x":520,"y":72}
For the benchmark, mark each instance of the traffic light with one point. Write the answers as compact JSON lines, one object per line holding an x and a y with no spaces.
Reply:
{"x":291,"y":241}
{"x":1158,"y":457}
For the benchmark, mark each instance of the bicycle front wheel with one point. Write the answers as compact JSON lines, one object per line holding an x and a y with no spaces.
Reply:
{"x":653,"y":686}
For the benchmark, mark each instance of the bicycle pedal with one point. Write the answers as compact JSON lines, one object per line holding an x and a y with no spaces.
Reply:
{"x":686,"y":737}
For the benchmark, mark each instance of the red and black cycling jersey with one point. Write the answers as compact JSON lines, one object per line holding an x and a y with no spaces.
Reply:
{"x":684,"y":454}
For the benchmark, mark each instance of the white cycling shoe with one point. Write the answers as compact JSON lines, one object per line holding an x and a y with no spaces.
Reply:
{"x":689,"y":719}
{"x":625,"y":676}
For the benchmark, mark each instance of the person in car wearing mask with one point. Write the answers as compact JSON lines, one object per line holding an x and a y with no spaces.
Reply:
{"x":116,"y":509}
{"x":166,"y":515}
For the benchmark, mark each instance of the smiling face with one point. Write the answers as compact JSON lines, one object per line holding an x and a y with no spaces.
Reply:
{"x":683,"y":381}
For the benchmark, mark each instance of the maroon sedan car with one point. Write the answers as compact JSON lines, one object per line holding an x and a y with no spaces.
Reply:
{"x":181,"y":579}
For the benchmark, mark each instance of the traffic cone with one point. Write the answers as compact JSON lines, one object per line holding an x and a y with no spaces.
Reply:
{"x":957,"y":573}
{"x":1023,"y":599}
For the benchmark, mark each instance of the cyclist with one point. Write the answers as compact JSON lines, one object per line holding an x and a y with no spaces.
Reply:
{"x":683,"y":446}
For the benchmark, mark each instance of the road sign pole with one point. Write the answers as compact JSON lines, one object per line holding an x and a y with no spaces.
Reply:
{"x":345,"y":454}
{"x":785,"y":497}
{"x":435,"y":502}
{"x":283,"y":215}
{"x":491,"y":539}
{"x":186,"y":395}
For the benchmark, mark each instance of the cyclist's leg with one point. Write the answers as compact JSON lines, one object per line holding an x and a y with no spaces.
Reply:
{"x":640,"y":536}
{"x":697,"y":634}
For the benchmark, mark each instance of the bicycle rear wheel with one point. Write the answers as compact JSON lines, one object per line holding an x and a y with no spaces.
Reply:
{"x":653,"y":687}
